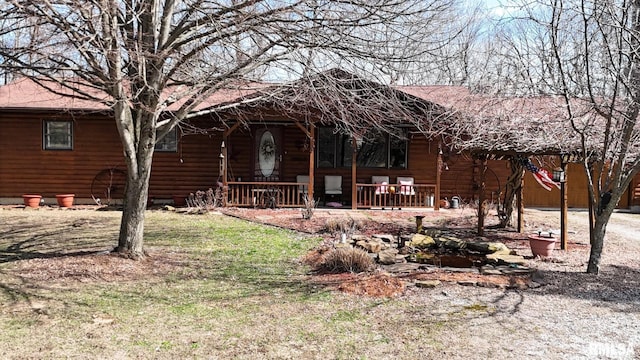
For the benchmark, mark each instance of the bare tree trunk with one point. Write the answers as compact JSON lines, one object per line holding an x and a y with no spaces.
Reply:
{"x":138,"y":137}
{"x":130,"y":239}
{"x":597,"y":233}
{"x":511,"y":190}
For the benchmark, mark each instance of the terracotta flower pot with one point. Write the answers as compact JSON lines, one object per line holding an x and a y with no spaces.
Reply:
{"x":541,"y":245}
{"x":32,"y":200}
{"x":65,"y":200}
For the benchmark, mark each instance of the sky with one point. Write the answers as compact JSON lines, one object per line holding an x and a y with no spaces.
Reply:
{"x":497,"y":8}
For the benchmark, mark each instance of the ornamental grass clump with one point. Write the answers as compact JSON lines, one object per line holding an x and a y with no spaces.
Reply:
{"x":344,"y":260}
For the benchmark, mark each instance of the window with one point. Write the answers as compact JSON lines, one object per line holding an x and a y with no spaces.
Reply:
{"x":397,"y":153}
{"x":326,"y":148}
{"x":169,"y":143}
{"x":58,"y":135}
{"x":377,"y":150}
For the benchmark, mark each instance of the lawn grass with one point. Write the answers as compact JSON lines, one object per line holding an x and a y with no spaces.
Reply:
{"x":237,"y":290}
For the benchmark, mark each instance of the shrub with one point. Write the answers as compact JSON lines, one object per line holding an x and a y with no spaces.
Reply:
{"x":205,"y":200}
{"x":309,"y":207}
{"x":346,"y":260}
{"x":343,"y":225}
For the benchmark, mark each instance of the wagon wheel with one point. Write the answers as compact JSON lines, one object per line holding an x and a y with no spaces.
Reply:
{"x":108,"y":186}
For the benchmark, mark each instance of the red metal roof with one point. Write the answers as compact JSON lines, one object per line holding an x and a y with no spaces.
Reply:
{"x":27,"y":94}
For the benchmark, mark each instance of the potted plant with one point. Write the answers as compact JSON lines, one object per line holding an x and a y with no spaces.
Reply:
{"x":542,"y":244}
{"x":32,"y":200}
{"x":65,"y":200}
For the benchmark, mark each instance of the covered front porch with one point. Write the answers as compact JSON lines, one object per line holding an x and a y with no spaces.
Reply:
{"x":276,"y":173}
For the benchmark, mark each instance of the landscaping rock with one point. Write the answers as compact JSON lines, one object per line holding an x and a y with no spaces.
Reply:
{"x":489,"y":247}
{"x":387,"y":257}
{"x":467,"y":283}
{"x":427,"y":284}
{"x":359,"y":237}
{"x":452,"y":243}
{"x":422,"y":258}
{"x":384,"y":237}
{"x":506,"y":259}
{"x":490,"y":270}
{"x":422,"y":241}
{"x":405,"y":250}
{"x":405,"y":268}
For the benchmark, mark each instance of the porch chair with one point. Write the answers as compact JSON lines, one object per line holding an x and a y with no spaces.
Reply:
{"x":332,"y":186}
{"x":383,"y":188}
{"x":303,"y":189}
{"x":405,"y":185}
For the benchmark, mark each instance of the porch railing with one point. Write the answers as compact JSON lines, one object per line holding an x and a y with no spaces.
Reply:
{"x":396,"y":196}
{"x":265,"y":194}
{"x":290,"y":194}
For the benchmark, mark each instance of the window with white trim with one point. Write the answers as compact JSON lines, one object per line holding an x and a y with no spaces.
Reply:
{"x":57,"y":135}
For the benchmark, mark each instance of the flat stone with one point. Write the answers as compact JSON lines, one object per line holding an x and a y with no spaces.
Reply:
{"x":359,"y":237}
{"x":517,"y":271}
{"x":506,"y":259}
{"x":427,"y":284}
{"x":402,"y":268}
{"x":490,"y":272}
{"x":467,"y":283}
{"x":460,"y":270}
{"x":384,"y":237}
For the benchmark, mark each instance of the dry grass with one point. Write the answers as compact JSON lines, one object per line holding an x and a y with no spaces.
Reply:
{"x":343,"y":260}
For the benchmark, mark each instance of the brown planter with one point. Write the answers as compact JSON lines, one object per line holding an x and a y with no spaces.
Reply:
{"x":65,"y":200}
{"x":541,"y":245}
{"x":32,"y":200}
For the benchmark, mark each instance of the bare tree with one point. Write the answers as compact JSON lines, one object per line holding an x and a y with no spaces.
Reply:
{"x":146,"y":57}
{"x":587,"y":54}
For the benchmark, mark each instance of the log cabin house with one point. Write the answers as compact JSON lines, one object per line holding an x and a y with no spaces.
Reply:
{"x":267,"y":152}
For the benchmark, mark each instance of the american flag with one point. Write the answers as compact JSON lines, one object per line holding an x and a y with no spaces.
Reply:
{"x":542,"y":176}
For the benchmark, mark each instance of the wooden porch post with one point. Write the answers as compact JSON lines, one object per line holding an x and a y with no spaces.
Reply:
{"x":354,"y":172}
{"x":311,"y":135}
{"x":481,"y":205}
{"x":436,"y":196}
{"x":224,"y":161}
{"x":564,"y":233}
{"x":312,"y":157}
{"x":520,"y":206}
{"x":223,"y":170}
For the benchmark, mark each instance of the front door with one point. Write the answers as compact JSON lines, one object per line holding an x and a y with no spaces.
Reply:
{"x":267,"y":154}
